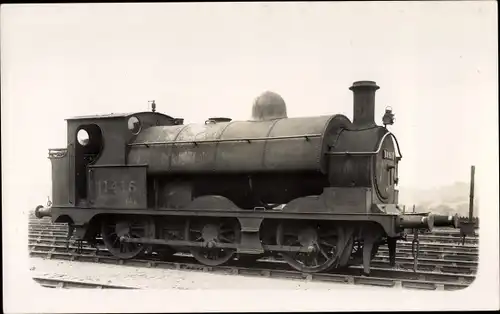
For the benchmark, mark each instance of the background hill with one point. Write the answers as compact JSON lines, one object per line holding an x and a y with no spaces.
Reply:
{"x":449,"y":199}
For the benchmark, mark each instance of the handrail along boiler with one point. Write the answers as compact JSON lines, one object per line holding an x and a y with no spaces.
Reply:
{"x":319,"y":191}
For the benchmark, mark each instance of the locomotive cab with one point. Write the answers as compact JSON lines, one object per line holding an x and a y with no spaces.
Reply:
{"x":97,"y":144}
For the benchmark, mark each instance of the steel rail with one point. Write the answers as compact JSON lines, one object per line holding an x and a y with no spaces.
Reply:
{"x":441,"y":266}
{"x":71,"y":284}
{"x":62,"y":244}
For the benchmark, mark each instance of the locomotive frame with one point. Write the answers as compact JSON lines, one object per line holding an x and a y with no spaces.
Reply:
{"x":133,"y":193}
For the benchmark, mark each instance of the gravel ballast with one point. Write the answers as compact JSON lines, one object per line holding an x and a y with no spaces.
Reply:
{"x":152,"y":278}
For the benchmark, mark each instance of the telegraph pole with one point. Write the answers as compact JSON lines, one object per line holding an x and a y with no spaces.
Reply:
{"x":471,"y":194}
{"x":467,"y":227}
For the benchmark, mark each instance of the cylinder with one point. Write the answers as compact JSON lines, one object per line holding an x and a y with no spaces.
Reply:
{"x":364,"y":103}
{"x":416,"y":221}
{"x":446,"y":221}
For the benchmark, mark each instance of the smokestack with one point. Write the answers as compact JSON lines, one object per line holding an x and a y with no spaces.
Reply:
{"x":364,"y":103}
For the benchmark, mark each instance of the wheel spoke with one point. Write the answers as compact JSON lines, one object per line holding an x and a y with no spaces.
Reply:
{"x":304,"y":237}
{"x":315,"y":260}
{"x":323,"y":252}
{"x":223,"y":238}
{"x":326,"y":243}
{"x":136,"y":229}
{"x":220,"y":232}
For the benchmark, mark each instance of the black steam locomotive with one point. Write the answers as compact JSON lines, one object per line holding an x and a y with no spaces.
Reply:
{"x":319,"y":191}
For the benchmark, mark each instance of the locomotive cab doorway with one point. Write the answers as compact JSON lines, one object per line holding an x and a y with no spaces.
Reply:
{"x":89,"y":146}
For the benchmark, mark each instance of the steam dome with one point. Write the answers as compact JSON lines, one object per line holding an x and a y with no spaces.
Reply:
{"x":269,"y":106}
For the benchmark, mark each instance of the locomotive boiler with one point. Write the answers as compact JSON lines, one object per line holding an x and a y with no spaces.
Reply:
{"x":319,"y":191}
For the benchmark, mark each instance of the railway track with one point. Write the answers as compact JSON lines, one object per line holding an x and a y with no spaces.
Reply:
{"x":446,"y":233}
{"x":381,"y":260}
{"x":381,"y":276}
{"x":72,"y":284}
{"x":440,"y":266}
{"x":404,"y":252}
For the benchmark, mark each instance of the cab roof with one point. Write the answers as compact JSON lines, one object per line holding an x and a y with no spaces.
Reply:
{"x":113,"y":116}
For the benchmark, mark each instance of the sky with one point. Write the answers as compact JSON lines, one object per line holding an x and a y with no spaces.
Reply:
{"x":436,"y":64}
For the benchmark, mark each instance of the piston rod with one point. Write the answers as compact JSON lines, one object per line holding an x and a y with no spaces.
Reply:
{"x":210,"y":244}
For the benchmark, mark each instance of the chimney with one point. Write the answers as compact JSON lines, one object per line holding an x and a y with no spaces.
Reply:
{"x":364,"y":103}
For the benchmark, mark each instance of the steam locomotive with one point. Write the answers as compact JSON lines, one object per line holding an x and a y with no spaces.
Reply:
{"x":319,"y":191}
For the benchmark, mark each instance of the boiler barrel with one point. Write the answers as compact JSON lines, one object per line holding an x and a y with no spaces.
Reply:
{"x":290,"y":144}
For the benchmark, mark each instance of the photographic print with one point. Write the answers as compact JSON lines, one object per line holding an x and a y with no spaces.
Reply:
{"x":224,"y":153}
